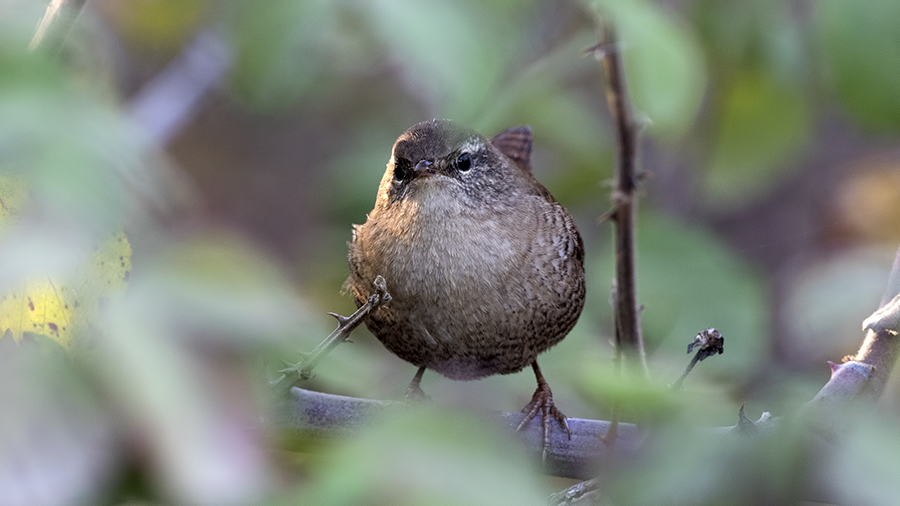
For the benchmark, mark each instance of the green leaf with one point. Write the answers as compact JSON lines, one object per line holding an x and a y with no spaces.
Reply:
{"x":689,"y":281}
{"x":451,"y":54}
{"x":663,"y":63}
{"x":280,"y":50}
{"x":763,"y":123}
{"x":860,"y":41}
{"x":828,"y":300}
{"x":426,"y":455}
{"x":215,"y":286}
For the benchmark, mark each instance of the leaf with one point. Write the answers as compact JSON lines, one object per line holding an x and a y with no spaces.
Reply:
{"x":763,"y":122}
{"x":157,"y":25}
{"x":60,"y":445}
{"x":280,"y":50}
{"x":663,"y":63}
{"x":688,"y":280}
{"x":61,"y":308}
{"x":426,"y":455}
{"x":454,"y":63}
{"x":860,"y":42}
{"x":829,"y":298}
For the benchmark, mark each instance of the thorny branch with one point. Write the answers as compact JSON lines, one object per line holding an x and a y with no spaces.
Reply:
{"x":322,"y":416}
{"x":629,"y":342}
{"x":882,"y":345}
{"x":303,"y":369}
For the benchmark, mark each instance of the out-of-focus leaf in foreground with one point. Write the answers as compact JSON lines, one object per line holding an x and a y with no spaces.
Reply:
{"x":173,"y":352}
{"x":689,"y":466}
{"x":66,"y":306}
{"x":426,"y":455}
{"x":65,"y":156}
{"x":57,"y":443}
{"x":862,"y":468}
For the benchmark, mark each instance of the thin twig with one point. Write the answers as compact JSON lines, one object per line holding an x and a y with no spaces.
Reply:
{"x":303,"y":369}
{"x":629,"y":341}
{"x":59,"y":17}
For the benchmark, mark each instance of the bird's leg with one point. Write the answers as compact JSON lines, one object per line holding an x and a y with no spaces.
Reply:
{"x":542,"y":401}
{"x":414,"y":392}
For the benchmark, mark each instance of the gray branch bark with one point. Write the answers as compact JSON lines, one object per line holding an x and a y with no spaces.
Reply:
{"x":319,"y":415}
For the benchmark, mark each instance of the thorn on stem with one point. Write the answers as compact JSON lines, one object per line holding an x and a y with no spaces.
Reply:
{"x":342,"y":320}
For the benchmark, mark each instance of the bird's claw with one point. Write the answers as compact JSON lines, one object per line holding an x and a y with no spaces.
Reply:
{"x":542,"y":401}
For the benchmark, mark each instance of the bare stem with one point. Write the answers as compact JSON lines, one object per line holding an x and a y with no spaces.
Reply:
{"x":303,"y":369}
{"x":629,"y":341}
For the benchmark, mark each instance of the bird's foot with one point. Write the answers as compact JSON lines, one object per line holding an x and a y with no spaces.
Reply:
{"x":542,"y":401}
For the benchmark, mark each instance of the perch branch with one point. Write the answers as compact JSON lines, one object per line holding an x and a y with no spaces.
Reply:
{"x":320,"y":415}
{"x":629,"y":341}
{"x":303,"y":369}
{"x":881,"y":345}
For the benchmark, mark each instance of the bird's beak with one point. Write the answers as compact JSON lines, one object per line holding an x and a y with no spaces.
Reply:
{"x":425,"y":168}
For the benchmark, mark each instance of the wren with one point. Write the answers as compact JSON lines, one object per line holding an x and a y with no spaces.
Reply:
{"x":485,"y":267}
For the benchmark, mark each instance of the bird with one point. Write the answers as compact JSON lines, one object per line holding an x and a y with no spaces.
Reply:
{"x":485,"y":268}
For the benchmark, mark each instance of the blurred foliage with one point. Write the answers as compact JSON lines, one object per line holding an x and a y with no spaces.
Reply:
{"x":758,"y":121}
{"x":688,"y":280}
{"x":854,"y":42}
{"x":663,"y":64}
{"x":762,"y":117}
{"x":427,"y":455}
{"x":64,"y":307}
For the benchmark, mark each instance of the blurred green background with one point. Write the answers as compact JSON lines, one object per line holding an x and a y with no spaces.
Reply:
{"x":771,"y":137}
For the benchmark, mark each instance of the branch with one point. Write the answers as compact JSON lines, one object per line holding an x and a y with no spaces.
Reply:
{"x":881,"y":345}
{"x":627,"y":315}
{"x":319,"y":415}
{"x":323,"y":416}
{"x":303,"y":369}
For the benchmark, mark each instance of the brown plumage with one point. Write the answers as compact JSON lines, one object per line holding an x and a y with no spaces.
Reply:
{"x":485,"y":268}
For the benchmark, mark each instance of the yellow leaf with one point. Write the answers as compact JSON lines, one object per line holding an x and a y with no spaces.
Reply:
{"x":61,"y":309}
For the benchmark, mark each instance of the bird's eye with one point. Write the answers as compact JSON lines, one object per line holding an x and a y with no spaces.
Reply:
{"x":402,"y":169}
{"x":463,"y":163}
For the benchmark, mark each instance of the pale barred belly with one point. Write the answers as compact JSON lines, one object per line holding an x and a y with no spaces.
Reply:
{"x":467,"y":323}
{"x":465,"y":302}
